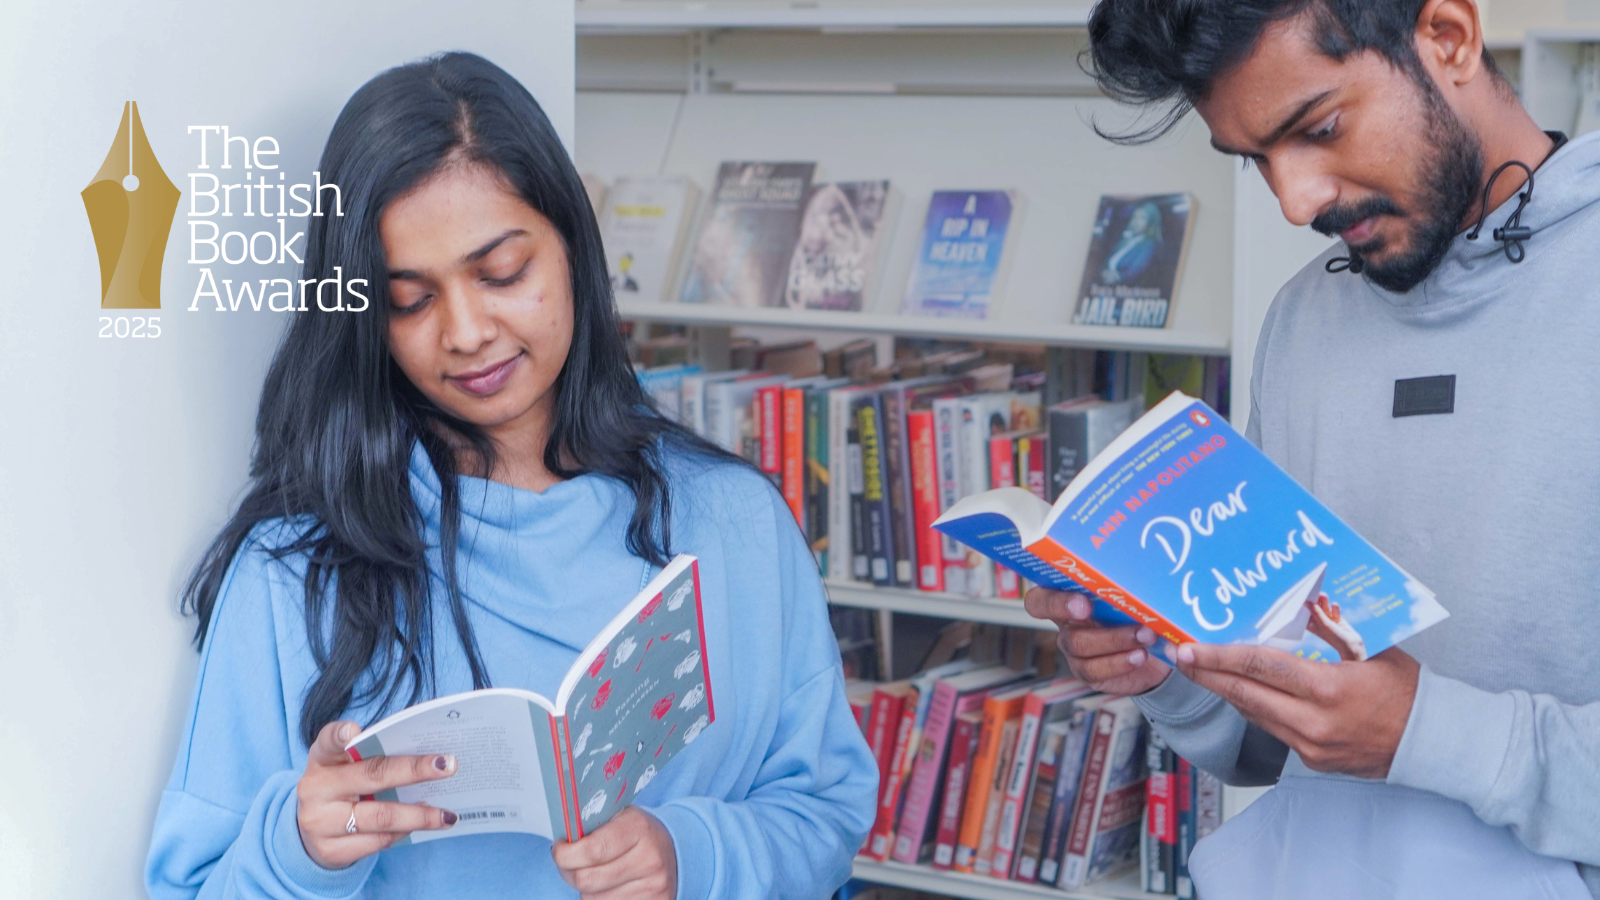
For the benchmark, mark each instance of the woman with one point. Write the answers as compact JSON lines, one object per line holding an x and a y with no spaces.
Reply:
{"x":457,"y":487}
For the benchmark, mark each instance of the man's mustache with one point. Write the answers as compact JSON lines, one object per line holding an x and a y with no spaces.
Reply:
{"x":1340,"y":219}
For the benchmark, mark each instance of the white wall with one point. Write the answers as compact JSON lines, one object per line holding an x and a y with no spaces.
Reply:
{"x":119,"y":459}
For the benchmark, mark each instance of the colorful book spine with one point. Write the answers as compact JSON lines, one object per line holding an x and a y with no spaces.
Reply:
{"x":1075,"y":861}
{"x":1040,"y":794}
{"x":983,"y":863}
{"x":946,"y":434}
{"x":970,"y":834}
{"x":1161,"y":817}
{"x":817,"y":477}
{"x":855,"y":467}
{"x":881,"y":840}
{"x":792,"y":462}
{"x":1069,"y":784}
{"x":875,"y":491}
{"x":963,"y":750}
{"x":769,"y":407}
{"x":925,"y":499}
{"x":1018,"y":780}
{"x":897,"y":476}
{"x":1003,"y":473}
{"x":1184,"y":887}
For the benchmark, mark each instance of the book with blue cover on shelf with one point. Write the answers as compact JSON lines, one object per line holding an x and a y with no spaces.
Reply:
{"x":962,"y":259}
{"x":1184,"y":526}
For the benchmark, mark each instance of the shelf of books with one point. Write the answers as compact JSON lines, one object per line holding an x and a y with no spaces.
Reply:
{"x":981,"y":887}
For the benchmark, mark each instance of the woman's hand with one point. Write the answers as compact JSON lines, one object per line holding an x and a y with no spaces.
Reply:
{"x":630,"y":857}
{"x":1112,"y":660}
{"x":332,"y":787}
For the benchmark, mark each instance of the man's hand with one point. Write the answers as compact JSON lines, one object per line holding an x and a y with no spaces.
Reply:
{"x":630,"y":857}
{"x":1112,"y":660}
{"x":1342,"y":717}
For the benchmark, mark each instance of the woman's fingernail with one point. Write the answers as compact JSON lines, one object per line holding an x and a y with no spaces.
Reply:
{"x":1136,"y":658}
{"x":1078,"y":608}
{"x":449,"y":818}
{"x":1186,"y":654}
{"x":1145,"y":636}
{"x":344,"y":733}
{"x":443,"y":763}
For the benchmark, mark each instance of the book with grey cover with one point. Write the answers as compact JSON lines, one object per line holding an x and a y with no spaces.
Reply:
{"x":741,"y":257}
{"x":636,"y":696}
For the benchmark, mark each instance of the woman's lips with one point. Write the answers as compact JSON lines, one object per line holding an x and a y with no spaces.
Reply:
{"x":484,"y":382}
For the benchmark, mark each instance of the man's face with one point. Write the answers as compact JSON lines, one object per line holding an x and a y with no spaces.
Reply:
{"x":1357,"y":149}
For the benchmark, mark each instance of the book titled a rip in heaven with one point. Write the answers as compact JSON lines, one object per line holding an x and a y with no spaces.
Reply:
{"x":1184,"y":526}
{"x":633,"y":699}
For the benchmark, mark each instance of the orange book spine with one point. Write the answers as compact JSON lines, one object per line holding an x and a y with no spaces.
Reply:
{"x":794,"y":452}
{"x":1073,"y":566}
{"x":995,"y":714}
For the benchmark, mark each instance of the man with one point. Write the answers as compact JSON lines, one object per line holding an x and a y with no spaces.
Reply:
{"x":1468,"y":763}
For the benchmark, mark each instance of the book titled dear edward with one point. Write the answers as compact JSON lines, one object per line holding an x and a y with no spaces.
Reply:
{"x":1183,"y":525}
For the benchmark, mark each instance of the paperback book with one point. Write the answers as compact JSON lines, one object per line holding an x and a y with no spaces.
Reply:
{"x":560,"y":768}
{"x":962,"y":260}
{"x":741,"y":257}
{"x":1136,"y":256}
{"x":1184,"y":526}
{"x":838,"y":257}
{"x":644,"y":230}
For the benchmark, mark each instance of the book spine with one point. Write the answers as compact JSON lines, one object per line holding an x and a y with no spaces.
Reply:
{"x":1075,"y":862}
{"x":946,"y":419}
{"x":1186,"y":830}
{"x":995,"y":790}
{"x":875,"y":495}
{"x":974,"y":448}
{"x":914,"y":818}
{"x":769,"y":408}
{"x":1032,"y":474}
{"x":882,"y":721}
{"x":855,"y":467}
{"x":971,"y":829}
{"x":716,"y":415}
{"x":883,"y":827}
{"x":1069,"y":780}
{"x":1040,"y":794}
{"x":1161,"y":827}
{"x":1011,"y":806}
{"x":1073,"y":566}
{"x":793,"y":460}
{"x":925,"y":500}
{"x":841,"y":561}
{"x":815,"y":477}
{"x":897,"y":474}
{"x":963,"y":745}
{"x":1003,"y":473}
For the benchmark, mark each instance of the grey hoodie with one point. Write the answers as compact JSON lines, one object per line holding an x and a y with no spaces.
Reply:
{"x":1495,"y":506}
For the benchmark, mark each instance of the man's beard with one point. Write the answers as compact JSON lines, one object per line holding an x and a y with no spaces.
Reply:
{"x":1448,"y":191}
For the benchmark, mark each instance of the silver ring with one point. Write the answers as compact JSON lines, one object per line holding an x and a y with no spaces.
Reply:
{"x":350,"y":826}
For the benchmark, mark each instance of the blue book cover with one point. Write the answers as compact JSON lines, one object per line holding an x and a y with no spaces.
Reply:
{"x":1185,"y":526}
{"x":960,"y":266}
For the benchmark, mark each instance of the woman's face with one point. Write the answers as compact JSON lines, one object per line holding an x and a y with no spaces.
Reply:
{"x":480,"y":313}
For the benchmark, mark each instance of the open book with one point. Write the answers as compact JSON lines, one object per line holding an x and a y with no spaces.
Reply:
{"x":1183,"y":525}
{"x":561,"y":768}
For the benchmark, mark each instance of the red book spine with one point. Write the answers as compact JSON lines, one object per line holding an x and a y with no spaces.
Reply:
{"x":1094,"y":766}
{"x":963,"y":746}
{"x":767,"y":406}
{"x":1003,"y":473}
{"x":925,"y":499}
{"x":1032,"y":476}
{"x":883,"y":827}
{"x":1162,"y":820}
{"x":794,"y":452}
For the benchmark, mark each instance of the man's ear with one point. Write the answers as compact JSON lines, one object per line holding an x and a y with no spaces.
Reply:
{"x":1450,"y":40}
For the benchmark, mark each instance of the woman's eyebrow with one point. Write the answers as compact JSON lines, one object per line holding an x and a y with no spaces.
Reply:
{"x":474,"y":256}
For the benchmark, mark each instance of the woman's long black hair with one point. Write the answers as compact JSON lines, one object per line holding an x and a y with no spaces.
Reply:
{"x":338,"y":419}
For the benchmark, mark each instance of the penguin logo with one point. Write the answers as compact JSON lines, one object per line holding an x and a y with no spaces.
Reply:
{"x":131,"y":205}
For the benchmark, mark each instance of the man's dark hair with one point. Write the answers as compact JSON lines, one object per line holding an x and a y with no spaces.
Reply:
{"x":1148,"y":52}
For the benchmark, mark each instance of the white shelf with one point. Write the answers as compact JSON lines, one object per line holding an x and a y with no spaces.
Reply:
{"x":928,"y":603}
{"x":1159,"y":340}
{"x":594,"y":18}
{"x":981,"y":887}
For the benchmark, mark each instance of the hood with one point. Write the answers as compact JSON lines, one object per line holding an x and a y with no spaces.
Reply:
{"x":1563,"y":187}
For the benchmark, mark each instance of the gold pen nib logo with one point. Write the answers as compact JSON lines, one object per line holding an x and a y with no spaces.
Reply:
{"x":131,"y":204}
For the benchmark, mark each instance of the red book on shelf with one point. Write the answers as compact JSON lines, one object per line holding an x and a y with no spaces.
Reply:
{"x":1031,"y":465}
{"x":925,"y":499}
{"x":1003,"y":473}
{"x":793,"y":458}
{"x":881,"y":840}
{"x":957,"y":779}
{"x":768,"y":405}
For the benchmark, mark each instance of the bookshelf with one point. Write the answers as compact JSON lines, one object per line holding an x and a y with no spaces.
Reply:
{"x":956,"y":95}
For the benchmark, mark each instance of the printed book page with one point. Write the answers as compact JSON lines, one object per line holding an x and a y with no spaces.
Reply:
{"x":500,"y":783}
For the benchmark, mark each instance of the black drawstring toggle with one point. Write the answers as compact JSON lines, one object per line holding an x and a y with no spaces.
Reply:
{"x":1513,"y":233}
{"x":1351,"y":264}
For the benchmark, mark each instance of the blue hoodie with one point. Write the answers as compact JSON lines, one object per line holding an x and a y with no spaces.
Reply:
{"x":772,"y":801}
